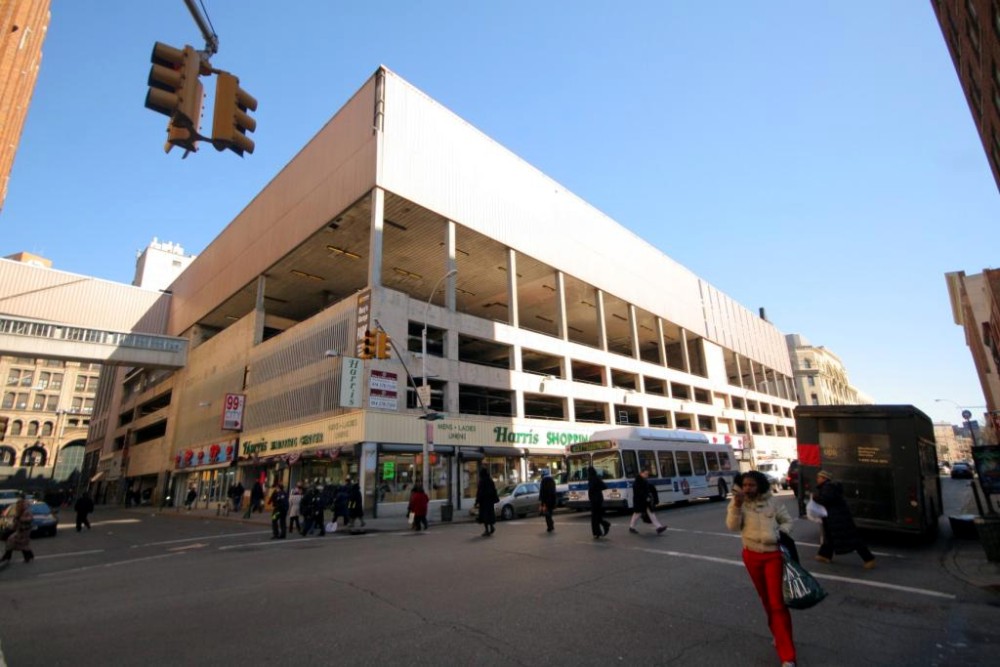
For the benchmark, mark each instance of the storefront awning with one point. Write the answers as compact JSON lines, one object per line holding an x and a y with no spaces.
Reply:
{"x":97,"y":478}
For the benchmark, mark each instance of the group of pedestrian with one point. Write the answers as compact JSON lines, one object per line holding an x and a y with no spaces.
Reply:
{"x":765,"y":527}
{"x":304,"y":509}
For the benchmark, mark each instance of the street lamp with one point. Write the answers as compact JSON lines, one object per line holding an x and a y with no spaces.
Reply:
{"x":424,"y":394}
{"x":966,"y":415}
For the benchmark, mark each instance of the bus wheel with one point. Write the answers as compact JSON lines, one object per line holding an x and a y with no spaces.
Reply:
{"x":723,"y":490}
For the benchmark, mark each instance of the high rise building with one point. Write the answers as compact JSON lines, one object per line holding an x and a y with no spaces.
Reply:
{"x":820,"y":376}
{"x":521,"y":320}
{"x":23,"y":24}
{"x":158,"y":264}
{"x":971,"y":30}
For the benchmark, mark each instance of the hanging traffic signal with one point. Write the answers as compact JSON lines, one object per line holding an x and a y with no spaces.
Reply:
{"x":383,"y":349}
{"x":175,"y":91}
{"x":369,"y":346}
{"x":231,"y":120}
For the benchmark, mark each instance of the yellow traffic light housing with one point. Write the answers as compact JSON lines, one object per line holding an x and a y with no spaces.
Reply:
{"x":369,"y":346}
{"x":230,"y":120}
{"x":383,"y":350}
{"x":176,"y":92}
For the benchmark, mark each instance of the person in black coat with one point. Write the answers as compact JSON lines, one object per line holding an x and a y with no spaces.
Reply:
{"x":84,"y":506}
{"x":486,"y":500}
{"x":236,"y":496}
{"x":644,"y":501}
{"x":355,"y":506}
{"x":547,"y":499}
{"x":279,"y":512}
{"x":840,"y":535}
{"x":595,"y":494}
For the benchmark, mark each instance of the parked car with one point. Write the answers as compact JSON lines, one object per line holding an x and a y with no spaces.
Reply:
{"x":43,"y":519}
{"x":791,"y":480}
{"x":961,"y":470}
{"x":518,"y":500}
{"x":8,"y":497}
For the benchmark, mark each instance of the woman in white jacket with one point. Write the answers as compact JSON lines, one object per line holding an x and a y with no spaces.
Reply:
{"x":760,"y":518}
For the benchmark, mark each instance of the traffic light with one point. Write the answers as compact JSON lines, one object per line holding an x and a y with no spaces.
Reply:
{"x":230,"y":120}
{"x":383,"y":350}
{"x":175,"y":91}
{"x":368,"y":347}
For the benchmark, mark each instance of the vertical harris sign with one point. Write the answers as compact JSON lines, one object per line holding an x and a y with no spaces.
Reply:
{"x":350,"y":383}
{"x":232,"y":415}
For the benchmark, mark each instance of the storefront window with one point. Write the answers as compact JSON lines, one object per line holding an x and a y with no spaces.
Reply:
{"x":397,"y":473}
{"x":504,"y":470}
{"x":554,"y":464}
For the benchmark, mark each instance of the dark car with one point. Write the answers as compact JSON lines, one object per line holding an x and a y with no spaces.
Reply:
{"x":792,"y":477}
{"x":961,"y":471}
{"x":43,"y":519}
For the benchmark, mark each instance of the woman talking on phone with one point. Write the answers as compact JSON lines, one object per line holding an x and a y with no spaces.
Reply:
{"x":760,"y":518}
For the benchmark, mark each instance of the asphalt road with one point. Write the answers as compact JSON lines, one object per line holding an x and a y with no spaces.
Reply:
{"x":143,"y":589}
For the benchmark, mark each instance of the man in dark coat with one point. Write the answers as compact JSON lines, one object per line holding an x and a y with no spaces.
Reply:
{"x":279,"y":512}
{"x":256,"y":498}
{"x":83,"y":507}
{"x":644,"y":501}
{"x":486,"y":500}
{"x":236,"y":495}
{"x":355,"y":506}
{"x":595,"y":494}
{"x":547,"y":499}
{"x":840,"y":535}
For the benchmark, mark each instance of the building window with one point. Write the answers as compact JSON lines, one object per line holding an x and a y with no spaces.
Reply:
{"x":811,"y":381}
{"x":814,"y":398}
{"x":81,"y":383}
{"x":8,"y":400}
{"x":807,"y":364}
{"x":56,"y":383}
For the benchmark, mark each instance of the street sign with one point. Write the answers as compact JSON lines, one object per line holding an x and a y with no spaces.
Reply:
{"x":966,"y":415}
{"x":232,"y":417}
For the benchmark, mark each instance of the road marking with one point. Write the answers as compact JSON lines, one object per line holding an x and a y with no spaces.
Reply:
{"x":106,"y":565}
{"x":195,"y":539}
{"x":72,"y":553}
{"x":199,"y":545}
{"x":277,"y":543}
{"x":829,"y":577}
{"x":738,"y":536}
{"x":67,"y":525}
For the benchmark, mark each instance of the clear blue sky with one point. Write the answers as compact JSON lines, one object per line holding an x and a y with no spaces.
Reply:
{"x":814,"y":158}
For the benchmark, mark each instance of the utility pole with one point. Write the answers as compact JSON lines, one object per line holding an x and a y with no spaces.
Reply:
{"x":211,"y":39}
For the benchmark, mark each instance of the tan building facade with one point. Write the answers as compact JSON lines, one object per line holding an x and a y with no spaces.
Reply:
{"x":975,"y":306}
{"x":23,"y":24}
{"x":971,"y":29}
{"x":534,"y":308}
{"x":820,"y":377}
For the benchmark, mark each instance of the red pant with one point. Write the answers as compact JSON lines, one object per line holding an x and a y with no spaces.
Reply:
{"x":765,"y":572}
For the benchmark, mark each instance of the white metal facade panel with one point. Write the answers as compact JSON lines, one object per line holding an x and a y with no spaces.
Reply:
{"x":436,"y":159}
{"x":48,"y":294}
{"x":331,"y":172}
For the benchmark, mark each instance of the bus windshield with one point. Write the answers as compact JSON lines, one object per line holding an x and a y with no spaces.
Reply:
{"x":607,"y":464}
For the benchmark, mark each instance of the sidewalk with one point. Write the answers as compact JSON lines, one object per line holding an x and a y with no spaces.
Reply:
{"x":966,"y":558}
{"x":263,"y":519}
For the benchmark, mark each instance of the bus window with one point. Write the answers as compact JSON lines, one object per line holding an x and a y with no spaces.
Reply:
{"x":631,"y":468}
{"x":699,"y":463}
{"x":667,"y":467}
{"x":609,"y":465}
{"x":725,"y":461}
{"x":683,"y":463}
{"x":647,"y":461}
{"x":713,"y":461}
{"x":578,"y":467}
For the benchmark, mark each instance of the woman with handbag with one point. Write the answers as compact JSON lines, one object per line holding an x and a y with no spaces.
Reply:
{"x":760,"y":519}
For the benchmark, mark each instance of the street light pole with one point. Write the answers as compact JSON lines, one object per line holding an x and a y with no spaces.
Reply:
{"x":423,"y":382}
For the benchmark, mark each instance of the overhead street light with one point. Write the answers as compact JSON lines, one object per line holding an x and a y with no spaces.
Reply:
{"x":424,"y":394}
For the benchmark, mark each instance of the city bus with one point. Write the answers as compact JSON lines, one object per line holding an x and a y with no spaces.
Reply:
{"x":683,"y":466}
{"x":885,"y":458}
